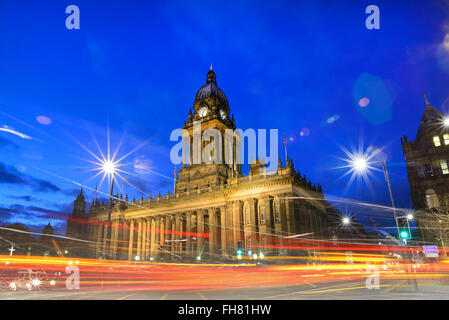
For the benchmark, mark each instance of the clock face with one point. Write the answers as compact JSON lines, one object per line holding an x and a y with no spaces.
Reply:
{"x":202,"y":112}
{"x":223,"y":114}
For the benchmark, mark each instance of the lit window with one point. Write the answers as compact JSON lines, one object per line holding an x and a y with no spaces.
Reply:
{"x":431,"y":199}
{"x":446,"y":139}
{"x":420,"y":171}
{"x":436,"y":141}
{"x":444,"y":168}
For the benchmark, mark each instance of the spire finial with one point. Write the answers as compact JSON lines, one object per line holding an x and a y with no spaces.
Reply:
{"x":425,"y":97}
{"x":211,"y":67}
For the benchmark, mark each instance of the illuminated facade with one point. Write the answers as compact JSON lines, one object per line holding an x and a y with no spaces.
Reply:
{"x":427,"y":160}
{"x":214,"y":209}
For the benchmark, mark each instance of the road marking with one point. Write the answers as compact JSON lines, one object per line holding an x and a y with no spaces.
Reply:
{"x":397,"y":285}
{"x":201,"y":295}
{"x":124,"y":297}
{"x":340,"y":289}
{"x":164,"y":296}
{"x":310,"y":284}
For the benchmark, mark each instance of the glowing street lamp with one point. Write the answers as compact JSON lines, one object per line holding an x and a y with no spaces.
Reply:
{"x":109,"y":167}
{"x":410,"y":216}
{"x":346,"y":221}
{"x":360,"y":164}
{"x":446,"y":122}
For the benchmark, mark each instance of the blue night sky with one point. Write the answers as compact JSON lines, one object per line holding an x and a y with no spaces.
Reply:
{"x":135,"y":67}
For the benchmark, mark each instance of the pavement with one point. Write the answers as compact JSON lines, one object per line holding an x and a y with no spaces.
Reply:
{"x":335,"y":290}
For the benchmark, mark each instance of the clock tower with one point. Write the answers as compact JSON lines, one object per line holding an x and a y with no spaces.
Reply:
{"x":210,"y":144}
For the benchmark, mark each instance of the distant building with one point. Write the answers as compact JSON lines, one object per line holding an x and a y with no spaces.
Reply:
{"x":427,"y":159}
{"x":47,"y":232}
{"x":77,"y":226}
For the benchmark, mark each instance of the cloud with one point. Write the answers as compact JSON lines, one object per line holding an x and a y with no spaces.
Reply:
{"x":72,"y":192}
{"x":34,"y":217}
{"x":15,"y":132}
{"x":10,"y":175}
{"x":25,"y":198}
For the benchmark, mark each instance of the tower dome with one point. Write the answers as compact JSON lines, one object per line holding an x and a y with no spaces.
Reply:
{"x":210,"y":89}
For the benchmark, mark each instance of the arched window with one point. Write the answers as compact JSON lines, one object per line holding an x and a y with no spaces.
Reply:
{"x":431,"y":199}
{"x":247,"y":214}
{"x":277,"y":211}
{"x":262,"y":213}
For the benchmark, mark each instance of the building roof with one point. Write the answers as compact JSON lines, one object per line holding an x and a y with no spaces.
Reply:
{"x":80,"y":195}
{"x":210,"y":89}
{"x":431,"y":118}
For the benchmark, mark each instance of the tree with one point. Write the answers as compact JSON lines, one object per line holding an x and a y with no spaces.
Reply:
{"x":434,"y":223}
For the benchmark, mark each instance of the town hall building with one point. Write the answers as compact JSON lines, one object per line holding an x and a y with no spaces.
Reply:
{"x":215,"y":210}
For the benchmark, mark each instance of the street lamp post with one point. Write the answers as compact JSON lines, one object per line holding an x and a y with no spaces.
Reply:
{"x":108,"y":224}
{"x":384,"y":165}
{"x":109,"y":167}
{"x":360,"y":164}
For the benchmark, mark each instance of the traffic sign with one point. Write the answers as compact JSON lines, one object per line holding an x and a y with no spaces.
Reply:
{"x":430,"y":251}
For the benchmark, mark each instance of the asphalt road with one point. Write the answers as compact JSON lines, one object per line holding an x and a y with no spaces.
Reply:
{"x":353,"y":290}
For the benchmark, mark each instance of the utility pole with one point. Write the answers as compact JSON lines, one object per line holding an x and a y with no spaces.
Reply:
{"x":391,"y":195}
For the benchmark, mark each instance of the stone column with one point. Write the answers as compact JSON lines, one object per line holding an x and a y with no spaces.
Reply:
{"x":223,"y":231}
{"x":212,"y":231}
{"x":188,"y":236}
{"x":172,"y":234}
{"x":148,"y":239}
{"x":250,"y":229}
{"x":200,"y":230}
{"x":153,"y":237}
{"x":237,"y":213}
{"x":114,"y":242}
{"x":131,"y":234}
{"x":262,"y":228}
{"x":144,"y":239}
{"x":178,"y":233}
{"x":290,"y":213}
{"x":106,"y":241}
{"x":139,"y":238}
{"x":161,"y":230}
{"x":167,"y":229}
{"x":157,"y":235}
{"x":230,"y":240}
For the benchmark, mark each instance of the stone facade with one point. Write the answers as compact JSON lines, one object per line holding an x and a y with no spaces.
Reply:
{"x":427,"y":159}
{"x":214,"y":209}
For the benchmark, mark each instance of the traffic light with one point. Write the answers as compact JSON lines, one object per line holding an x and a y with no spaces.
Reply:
{"x":404,"y":228}
{"x":239,"y":248}
{"x":404,"y":234}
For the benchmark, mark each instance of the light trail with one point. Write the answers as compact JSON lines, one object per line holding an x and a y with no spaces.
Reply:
{"x":113,"y":275}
